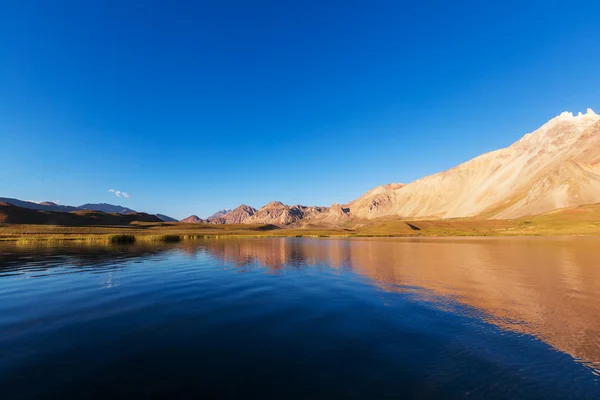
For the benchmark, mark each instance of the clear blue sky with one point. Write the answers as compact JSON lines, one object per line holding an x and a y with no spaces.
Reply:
{"x":195,"y":106}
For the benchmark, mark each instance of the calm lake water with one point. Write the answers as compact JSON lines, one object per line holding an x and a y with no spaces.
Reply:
{"x":500,"y":318}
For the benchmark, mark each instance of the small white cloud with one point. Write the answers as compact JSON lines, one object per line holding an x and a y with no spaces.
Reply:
{"x":118,"y":193}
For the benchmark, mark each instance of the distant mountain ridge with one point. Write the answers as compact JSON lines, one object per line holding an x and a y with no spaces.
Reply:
{"x":12,"y":214}
{"x":103,"y":207}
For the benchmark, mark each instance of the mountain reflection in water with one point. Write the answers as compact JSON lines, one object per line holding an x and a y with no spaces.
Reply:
{"x":548,"y":288}
{"x":545,"y":287}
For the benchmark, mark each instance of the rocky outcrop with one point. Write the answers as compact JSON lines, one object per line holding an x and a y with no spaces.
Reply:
{"x":236,"y":216}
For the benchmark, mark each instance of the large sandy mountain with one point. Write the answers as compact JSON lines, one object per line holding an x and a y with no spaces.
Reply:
{"x":556,"y":166}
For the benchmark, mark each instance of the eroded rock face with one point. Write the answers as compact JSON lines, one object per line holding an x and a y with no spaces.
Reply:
{"x":556,"y":166}
{"x":236,"y":216}
{"x":277,"y":213}
{"x":192,"y":219}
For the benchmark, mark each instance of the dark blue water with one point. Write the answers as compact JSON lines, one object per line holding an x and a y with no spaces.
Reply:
{"x":302,"y":318}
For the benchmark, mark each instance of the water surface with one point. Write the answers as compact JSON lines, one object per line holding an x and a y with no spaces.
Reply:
{"x":303,"y":318}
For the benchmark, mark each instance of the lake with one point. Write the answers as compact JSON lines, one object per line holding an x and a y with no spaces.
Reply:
{"x":466,"y":318}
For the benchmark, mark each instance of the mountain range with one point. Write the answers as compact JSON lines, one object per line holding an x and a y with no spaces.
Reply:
{"x":556,"y":166}
{"x":102,"y":207}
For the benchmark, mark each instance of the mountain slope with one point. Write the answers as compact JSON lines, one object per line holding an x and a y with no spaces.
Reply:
{"x":166,"y":218}
{"x":558,"y":165}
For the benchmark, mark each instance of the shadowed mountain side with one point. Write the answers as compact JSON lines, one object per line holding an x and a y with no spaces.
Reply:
{"x":103,"y":207}
{"x":10,"y":214}
{"x":166,"y":218}
{"x":514,"y":281}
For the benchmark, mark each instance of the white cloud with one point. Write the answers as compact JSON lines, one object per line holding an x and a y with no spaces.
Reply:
{"x":118,"y":193}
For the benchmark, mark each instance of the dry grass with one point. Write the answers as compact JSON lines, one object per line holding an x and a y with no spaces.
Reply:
{"x":583,"y":220}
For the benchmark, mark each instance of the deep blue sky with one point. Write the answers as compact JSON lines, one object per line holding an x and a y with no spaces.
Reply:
{"x":195,"y":106}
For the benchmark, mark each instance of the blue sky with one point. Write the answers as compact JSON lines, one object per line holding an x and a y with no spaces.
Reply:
{"x":192,"y":107}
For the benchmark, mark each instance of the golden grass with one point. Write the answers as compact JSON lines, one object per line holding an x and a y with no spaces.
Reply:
{"x":583,"y":220}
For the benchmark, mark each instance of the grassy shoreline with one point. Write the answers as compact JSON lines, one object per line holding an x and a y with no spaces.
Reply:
{"x":583,"y":220}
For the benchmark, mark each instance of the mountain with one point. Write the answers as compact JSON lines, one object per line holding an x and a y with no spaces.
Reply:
{"x":43,"y":206}
{"x":277,"y":213}
{"x":11,"y":214}
{"x":556,"y":166}
{"x":219,"y":213}
{"x":336,"y":215}
{"x":236,"y":216}
{"x":166,"y":218}
{"x":192,"y":219}
{"x":105,"y":207}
